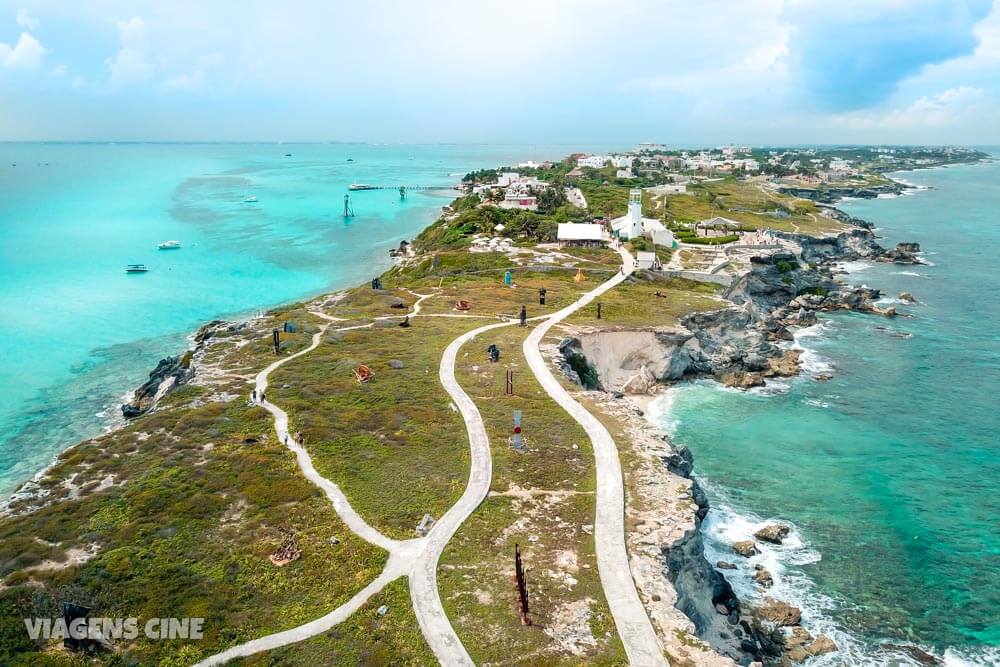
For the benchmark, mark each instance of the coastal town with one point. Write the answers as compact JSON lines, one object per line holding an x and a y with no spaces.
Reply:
{"x":482,"y":398}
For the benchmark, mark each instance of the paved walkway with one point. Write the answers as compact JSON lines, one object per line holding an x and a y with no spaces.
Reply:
{"x":434,"y":623}
{"x":634,"y":627}
{"x":416,"y":558}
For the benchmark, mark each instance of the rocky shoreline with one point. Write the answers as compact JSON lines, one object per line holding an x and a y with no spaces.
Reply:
{"x":741,"y":346}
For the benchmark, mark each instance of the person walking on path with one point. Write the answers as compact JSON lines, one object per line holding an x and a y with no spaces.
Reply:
{"x":524,"y":316}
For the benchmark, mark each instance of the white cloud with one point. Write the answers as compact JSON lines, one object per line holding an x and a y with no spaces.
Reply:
{"x":191,"y":81}
{"x":59,"y":70}
{"x":131,"y":64}
{"x":79,"y":82}
{"x":27,"y":21}
{"x":948,"y":107}
{"x":26,"y":54}
{"x":195,"y":79}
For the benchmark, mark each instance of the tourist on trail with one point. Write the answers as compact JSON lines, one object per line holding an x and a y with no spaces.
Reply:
{"x":406,"y":322}
{"x":262,"y":398}
{"x":524,"y":316}
{"x":253,"y":396}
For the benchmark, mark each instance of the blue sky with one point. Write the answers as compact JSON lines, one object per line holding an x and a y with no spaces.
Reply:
{"x":523,"y":71}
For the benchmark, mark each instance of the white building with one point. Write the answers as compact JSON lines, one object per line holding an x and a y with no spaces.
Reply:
{"x":578,"y":233}
{"x":595,"y":161}
{"x":749,"y":164}
{"x":648,"y":261}
{"x":633,"y":225}
{"x":621,"y":161}
{"x":518,"y":200}
{"x":506,"y":178}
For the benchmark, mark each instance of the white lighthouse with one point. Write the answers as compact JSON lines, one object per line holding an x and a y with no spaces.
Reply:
{"x":633,"y":225}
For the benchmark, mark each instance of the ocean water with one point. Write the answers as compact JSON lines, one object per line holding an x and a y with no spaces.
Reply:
{"x":889,"y":473}
{"x":77,"y":333}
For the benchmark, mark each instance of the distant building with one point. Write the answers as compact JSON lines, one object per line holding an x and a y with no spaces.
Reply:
{"x":719,"y":221}
{"x":519,"y":201}
{"x":580,"y":234}
{"x":594,"y":161}
{"x":648,"y":261}
{"x":506,"y":178}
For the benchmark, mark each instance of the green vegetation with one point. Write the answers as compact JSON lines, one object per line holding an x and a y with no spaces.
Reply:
{"x":712,"y":240}
{"x":200,"y":492}
{"x":541,"y":499}
{"x":649,"y":302}
{"x":786,"y":266}
{"x":363,"y":639}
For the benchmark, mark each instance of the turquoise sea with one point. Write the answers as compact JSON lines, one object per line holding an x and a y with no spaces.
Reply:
{"x":890,"y":472}
{"x":77,"y":333}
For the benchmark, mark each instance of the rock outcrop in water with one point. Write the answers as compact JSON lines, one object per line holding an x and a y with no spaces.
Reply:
{"x":831,"y":195}
{"x":903,"y":253}
{"x":739,"y":345}
{"x":171,"y":372}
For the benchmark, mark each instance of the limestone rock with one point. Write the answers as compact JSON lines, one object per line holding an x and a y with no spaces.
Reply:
{"x":763,"y":577}
{"x":796,"y":643}
{"x":723,"y":565}
{"x":746,"y":548}
{"x":778,"y":612}
{"x":821,"y":645}
{"x":773,"y":533}
{"x":742,"y":380}
{"x":396,"y":363}
{"x":907,"y":297}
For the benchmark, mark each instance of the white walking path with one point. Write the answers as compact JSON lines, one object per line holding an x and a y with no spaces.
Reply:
{"x":634,"y":627}
{"x":434,"y":623}
{"x":415,"y":558}
{"x":418,"y":558}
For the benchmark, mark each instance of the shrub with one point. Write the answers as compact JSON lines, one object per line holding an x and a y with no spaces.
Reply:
{"x":785,"y":266}
{"x":712,"y":240}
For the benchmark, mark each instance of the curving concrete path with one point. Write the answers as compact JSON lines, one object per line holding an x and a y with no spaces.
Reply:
{"x":634,"y":627}
{"x":434,"y":623}
{"x":416,"y":558}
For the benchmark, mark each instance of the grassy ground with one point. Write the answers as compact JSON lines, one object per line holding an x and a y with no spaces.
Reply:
{"x":206,"y":493}
{"x":392,"y":444}
{"x":541,"y":499}
{"x":747,"y":203}
{"x":366,"y":638}
{"x":635,"y":303}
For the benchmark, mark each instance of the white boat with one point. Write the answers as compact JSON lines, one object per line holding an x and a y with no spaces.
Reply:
{"x":169,"y":245}
{"x":135,"y":268}
{"x":360,"y":186}
{"x":250,"y":199}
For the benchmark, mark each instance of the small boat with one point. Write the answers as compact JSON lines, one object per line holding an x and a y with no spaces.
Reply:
{"x":250,"y":199}
{"x":288,"y":155}
{"x":360,"y":186}
{"x":350,"y":159}
{"x":136,"y":268}
{"x":169,"y":245}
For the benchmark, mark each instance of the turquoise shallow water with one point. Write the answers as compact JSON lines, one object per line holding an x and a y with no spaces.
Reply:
{"x":889,"y":472}
{"x":77,"y":333}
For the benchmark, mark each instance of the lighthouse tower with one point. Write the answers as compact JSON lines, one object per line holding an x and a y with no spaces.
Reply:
{"x":634,"y":213}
